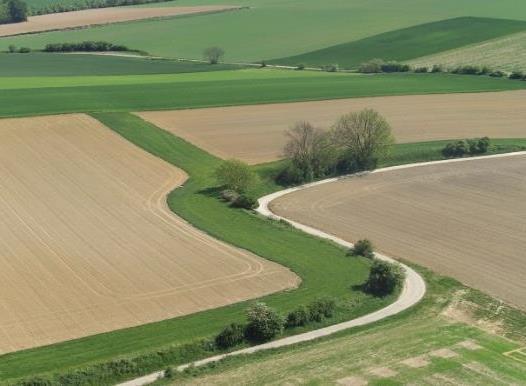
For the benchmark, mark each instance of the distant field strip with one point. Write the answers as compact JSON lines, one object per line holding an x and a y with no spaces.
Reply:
{"x":463,"y":220}
{"x":256,"y":133}
{"x":66,"y":20}
{"x":507,"y":53}
{"x":88,"y":244}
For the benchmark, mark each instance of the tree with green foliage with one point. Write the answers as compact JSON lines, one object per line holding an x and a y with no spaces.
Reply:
{"x":236,"y":175}
{"x":213,"y":54}
{"x":17,"y":10}
{"x":384,"y":278}
{"x":364,"y":137}
{"x":264,"y":323}
{"x":231,"y":336}
{"x":364,"y":248}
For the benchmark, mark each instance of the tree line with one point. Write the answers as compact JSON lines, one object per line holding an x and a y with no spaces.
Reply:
{"x":13,"y":11}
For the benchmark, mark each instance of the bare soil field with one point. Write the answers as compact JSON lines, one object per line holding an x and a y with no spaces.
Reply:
{"x":465,"y":220}
{"x":88,"y":245}
{"x":75,"y":19}
{"x":255,"y":134}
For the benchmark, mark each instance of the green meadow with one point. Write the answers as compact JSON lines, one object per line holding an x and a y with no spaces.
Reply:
{"x":275,"y":28}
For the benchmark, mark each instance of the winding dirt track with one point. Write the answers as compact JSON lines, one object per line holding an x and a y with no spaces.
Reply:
{"x":88,"y":245}
{"x":255,"y":134}
{"x":89,"y":17}
{"x":466,"y":220}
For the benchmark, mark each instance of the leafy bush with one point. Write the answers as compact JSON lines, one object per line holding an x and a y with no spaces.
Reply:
{"x":384,"y":278}
{"x":421,"y":69}
{"x":290,"y":175}
{"x":467,"y":70}
{"x":437,"y":68}
{"x":363,"y":248}
{"x":330,"y":68}
{"x":264,"y":323}
{"x":394,"y":67}
{"x":300,"y":67}
{"x":86,"y":46}
{"x":371,"y":66}
{"x":466,"y":147}
{"x":319,"y":309}
{"x":298,"y":317}
{"x":231,"y":336}
{"x":235,"y":175}
{"x":24,"y":50}
{"x":213,"y":54}
{"x":497,"y":74}
{"x":13,"y":11}
{"x":517,"y":75}
{"x":12,"y":48}
{"x":245,"y":202}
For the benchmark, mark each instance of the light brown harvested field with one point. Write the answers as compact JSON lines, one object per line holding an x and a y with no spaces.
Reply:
{"x":64,"y":20}
{"x":466,"y":220}
{"x":87,"y":243}
{"x":255,"y":134}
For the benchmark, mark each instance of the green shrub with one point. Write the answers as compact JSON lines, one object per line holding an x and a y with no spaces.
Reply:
{"x":264,"y":323}
{"x":384,"y":278}
{"x":467,"y":70}
{"x":320,"y":309}
{"x":298,"y":317}
{"x":371,"y":66}
{"x":330,"y":68}
{"x":468,"y":146}
{"x":437,"y":68}
{"x":394,"y":67}
{"x":516,"y":75}
{"x":300,"y":67}
{"x":363,"y":248}
{"x":421,"y":69}
{"x":231,"y":336}
{"x":24,"y":50}
{"x":85,"y":46}
{"x":236,"y":175}
{"x":12,"y":48}
{"x":478,"y":146}
{"x":455,"y":149}
{"x":497,"y":74}
{"x":245,"y":202}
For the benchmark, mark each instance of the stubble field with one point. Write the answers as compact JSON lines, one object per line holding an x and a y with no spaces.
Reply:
{"x":88,"y":243}
{"x":255,"y":133}
{"x":464,"y":220}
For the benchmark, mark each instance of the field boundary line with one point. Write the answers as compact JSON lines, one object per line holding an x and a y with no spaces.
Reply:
{"x":412,"y":292}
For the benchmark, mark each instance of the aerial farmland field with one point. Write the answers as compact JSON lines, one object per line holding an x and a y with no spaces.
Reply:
{"x":256,"y":133}
{"x":74,"y":265}
{"x":159,"y":226}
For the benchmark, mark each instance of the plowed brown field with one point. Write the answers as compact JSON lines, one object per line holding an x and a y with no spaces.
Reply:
{"x":87,"y":243}
{"x":256,"y":133}
{"x":64,"y":20}
{"x":466,"y":220}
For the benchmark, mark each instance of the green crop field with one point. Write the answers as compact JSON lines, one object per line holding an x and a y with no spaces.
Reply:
{"x":46,"y":64}
{"x":425,"y":346}
{"x":222,"y":89}
{"x":507,"y":53}
{"x":275,"y":28}
{"x":409,"y":43}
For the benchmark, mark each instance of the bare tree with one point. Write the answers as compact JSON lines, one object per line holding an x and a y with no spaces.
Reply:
{"x":365,"y":137}
{"x":213,"y":54}
{"x":308,"y":148}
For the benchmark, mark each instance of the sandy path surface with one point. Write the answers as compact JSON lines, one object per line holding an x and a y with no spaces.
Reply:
{"x":466,"y":220}
{"x":64,"y":20}
{"x":87,"y":243}
{"x":255,"y":134}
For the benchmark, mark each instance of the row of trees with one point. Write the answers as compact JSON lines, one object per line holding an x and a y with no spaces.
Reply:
{"x":86,"y":46}
{"x":357,"y":141}
{"x":13,"y":11}
{"x":68,"y":6}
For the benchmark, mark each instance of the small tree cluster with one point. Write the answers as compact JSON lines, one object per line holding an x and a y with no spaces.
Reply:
{"x":378,"y":65}
{"x":264,"y":323}
{"x":13,"y":11}
{"x":384,"y":278}
{"x":357,"y":141}
{"x":68,"y":6}
{"x":231,"y":336}
{"x":466,"y":147}
{"x":236,"y":177}
{"x":86,"y":46}
{"x":213,"y":54}
{"x":471,"y":70}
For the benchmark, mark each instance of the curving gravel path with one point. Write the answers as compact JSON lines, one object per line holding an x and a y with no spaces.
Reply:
{"x":413,"y":291}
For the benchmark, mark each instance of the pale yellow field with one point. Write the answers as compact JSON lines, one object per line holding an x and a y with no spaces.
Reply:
{"x":87,"y":243}
{"x":87,"y":17}
{"x":255,"y":134}
{"x":507,"y":53}
{"x":466,"y":220}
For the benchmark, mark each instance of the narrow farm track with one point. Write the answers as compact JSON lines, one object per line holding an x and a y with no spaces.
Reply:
{"x":413,"y":291}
